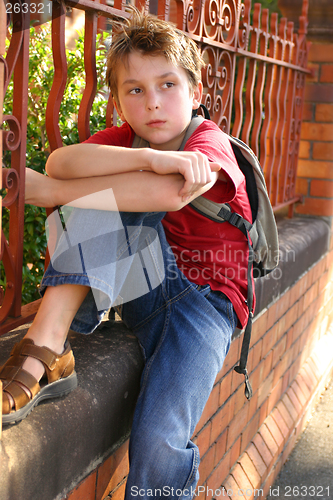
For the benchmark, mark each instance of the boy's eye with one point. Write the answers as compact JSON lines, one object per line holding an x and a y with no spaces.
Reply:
{"x":168,"y":85}
{"x":135,"y":91}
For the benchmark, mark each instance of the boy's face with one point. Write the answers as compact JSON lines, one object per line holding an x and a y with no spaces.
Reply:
{"x":155,"y":99}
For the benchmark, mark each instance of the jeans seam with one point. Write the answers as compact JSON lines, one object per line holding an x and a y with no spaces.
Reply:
{"x":230,"y":314}
{"x":167,"y":303}
{"x":80,"y":275}
{"x":151,"y":359}
{"x":129,"y":242}
{"x":158,"y":270}
{"x":195,"y":465}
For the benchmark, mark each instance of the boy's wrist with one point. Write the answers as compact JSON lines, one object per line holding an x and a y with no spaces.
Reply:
{"x":146,"y":158}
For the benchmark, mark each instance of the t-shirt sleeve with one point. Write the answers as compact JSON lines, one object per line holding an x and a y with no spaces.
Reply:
{"x":113,"y":136}
{"x":212,"y":142}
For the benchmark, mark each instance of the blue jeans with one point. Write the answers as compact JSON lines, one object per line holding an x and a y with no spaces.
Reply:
{"x":184,"y":331}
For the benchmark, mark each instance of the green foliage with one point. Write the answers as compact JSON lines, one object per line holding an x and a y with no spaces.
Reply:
{"x":40,"y":81}
{"x":271,"y":5}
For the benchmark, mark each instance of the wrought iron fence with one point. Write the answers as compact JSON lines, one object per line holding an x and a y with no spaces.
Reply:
{"x":253,"y":87}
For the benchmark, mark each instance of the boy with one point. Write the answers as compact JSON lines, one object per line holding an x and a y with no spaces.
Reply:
{"x":185,"y":321}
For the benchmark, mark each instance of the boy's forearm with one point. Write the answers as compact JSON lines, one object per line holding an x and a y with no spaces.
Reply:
{"x":93,"y":160}
{"x":131,"y":192}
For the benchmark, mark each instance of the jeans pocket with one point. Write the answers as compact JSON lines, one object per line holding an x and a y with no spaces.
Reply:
{"x":204,"y":289}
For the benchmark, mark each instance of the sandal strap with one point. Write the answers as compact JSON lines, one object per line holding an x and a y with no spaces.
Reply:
{"x":43,"y":354}
{"x":27,"y":348}
{"x":19,"y":396}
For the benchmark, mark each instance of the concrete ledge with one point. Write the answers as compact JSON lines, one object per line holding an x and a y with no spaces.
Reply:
{"x":303,"y":241}
{"x":60,"y":443}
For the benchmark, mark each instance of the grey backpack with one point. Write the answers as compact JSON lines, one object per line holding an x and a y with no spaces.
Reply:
{"x":261,"y":234}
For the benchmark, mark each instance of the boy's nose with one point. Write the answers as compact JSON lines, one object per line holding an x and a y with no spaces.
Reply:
{"x":152,"y":101}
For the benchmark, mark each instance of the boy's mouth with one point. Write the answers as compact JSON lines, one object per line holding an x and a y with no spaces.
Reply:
{"x":155,"y":123}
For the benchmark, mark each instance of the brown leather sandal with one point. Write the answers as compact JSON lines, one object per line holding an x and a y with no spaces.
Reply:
{"x":60,"y":379}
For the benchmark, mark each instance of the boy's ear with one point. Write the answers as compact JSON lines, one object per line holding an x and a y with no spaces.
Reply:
{"x":197,"y":95}
{"x":119,"y":111}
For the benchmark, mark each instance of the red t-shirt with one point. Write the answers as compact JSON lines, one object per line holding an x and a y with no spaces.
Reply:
{"x":207,"y":252}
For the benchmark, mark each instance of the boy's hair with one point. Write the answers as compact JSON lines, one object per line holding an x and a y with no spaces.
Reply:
{"x":149,"y":35}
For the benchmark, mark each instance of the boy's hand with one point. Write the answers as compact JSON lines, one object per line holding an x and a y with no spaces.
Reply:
{"x":193,"y":166}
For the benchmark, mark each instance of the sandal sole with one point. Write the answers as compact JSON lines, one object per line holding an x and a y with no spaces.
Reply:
{"x":56,"y":389}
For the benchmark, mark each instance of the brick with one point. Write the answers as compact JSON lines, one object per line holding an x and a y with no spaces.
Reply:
{"x":231,"y":487}
{"x":250,"y":431}
{"x":326,"y":73}
{"x":315,"y":169}
{"x":320,"y":52}
{"x":314,"y":77}
{"x":324,"y":112}
{"x":220,"y":421}
{"x":304,"y":149}
{"x":250,"y":470}
{"x":322,"y":151}
{"x":269,"y":440}
{"x":233,"y":355}
{"x":119,"y":493}
{"x":221,"y":471}
{"x":303,"y":387}
{"x":256,"y":351}
{"x":239,"y":399}
{"x":281,"y":367}
{"x":263,"y":411}
{"x":310,"y":377}
{"x":256,"y":376}
{"x":201,"y":495}
{"x":314,"y":368}
{"x":318,"y":92}
{"x":265,"y":388}
{"x":225,"y":387}
{"x":275,"y":431}
{"x":278,"y":350}
{"x":236,"y":380}
{"x":308,"y":111}
{"x":290,"y":407}
{"x":317,"y":131}
{"x":275,"y":395}
{"x":262,"y":449}
{"x":112,"y":471}
{"x":302,"y":186}
{"x":86,"y":490}
{"x":257,"y":461}
{"x":321,"y":188}
{"x":207,"y":464}
{"x":267,"y":365}
{"x":243,"y":482}
{"x":269,"y":340}
{"x":220,"y":447}
{"x":285,"y":415}
{"x":316,"y":206}
{"x":235,"y":452}
{"x":253,"y":405}
{"x":259,"y":327}
{"x":210,"y":408}
{"x":203,"y":438}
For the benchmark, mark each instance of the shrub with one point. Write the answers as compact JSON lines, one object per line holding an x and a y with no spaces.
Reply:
{"x":40,"y":81}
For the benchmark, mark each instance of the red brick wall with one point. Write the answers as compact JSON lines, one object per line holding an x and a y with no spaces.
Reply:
{"x":243,"y":444}
{"x":315,"y":166}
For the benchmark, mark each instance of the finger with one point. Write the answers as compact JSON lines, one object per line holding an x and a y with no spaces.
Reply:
{"x":214,"y":167}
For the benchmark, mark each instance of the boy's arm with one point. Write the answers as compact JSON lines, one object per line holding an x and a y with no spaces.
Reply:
{"x":92,"y":160}
{"x":128,"y":192}
{"x":133,"y":192}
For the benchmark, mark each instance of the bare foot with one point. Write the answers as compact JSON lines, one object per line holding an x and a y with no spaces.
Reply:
{"x":39,"y":189}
